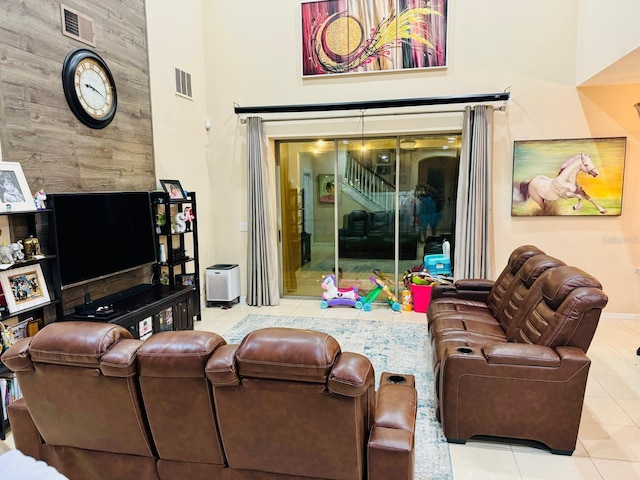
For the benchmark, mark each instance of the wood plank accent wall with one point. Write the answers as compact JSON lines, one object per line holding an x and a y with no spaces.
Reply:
{"x":37,"y":128}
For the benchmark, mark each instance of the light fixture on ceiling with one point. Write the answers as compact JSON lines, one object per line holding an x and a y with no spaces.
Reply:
{"x":408,"y":144}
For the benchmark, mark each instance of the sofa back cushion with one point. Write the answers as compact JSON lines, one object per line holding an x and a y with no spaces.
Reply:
{"x":177,"y":395}
{"x":381,"y":222}
{"x":356,"y":223}
{"x":502,"y":283}
{"x":289,"y":402}
{"x":563,"y":309}
{"x":79,"y":380}
{"x":518,"y":291}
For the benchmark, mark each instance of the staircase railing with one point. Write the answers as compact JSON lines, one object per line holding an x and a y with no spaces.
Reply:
{"x":369,"y":184}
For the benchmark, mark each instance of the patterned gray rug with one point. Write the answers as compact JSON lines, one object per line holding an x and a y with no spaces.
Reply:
{"x":392,"y":347}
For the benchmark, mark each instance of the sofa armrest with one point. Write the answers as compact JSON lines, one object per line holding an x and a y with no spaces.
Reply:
{"x":25,"y":434}
{"x":502,"y":391}
{"x":466,"y":288}
{"x":522,"y":354}
{"x":396,"y":407}
{"x":391,"y":443}
{"x":474,"y":284}
{"x":391,"y":454}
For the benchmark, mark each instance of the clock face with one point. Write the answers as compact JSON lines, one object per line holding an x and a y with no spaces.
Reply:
{"x":93,"y":88}
{"x":89,"y":88}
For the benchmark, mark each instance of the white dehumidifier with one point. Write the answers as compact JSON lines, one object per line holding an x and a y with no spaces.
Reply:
{"x":223,"y":284}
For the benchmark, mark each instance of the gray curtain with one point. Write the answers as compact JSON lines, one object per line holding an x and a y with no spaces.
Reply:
{"x":473,"y":206}
{"x":262,"y":254}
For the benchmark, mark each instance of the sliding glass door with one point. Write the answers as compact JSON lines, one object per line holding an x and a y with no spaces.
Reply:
{"x":367,"y":209}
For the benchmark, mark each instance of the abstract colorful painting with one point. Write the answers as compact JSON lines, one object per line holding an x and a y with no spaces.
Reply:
{"x":568,"y":177}
{"x":348,"y":36}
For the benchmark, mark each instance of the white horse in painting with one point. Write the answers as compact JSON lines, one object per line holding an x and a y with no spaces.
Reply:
{"x":565,"y":185}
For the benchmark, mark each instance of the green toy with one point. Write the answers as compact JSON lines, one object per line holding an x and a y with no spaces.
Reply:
{"x":373,"y":294}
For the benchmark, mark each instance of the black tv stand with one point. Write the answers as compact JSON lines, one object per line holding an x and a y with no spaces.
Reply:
{"x":137,"y":307}
{"x":103,"y":308}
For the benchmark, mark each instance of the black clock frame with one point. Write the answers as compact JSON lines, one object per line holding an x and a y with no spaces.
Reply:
{"x":69,"y":65}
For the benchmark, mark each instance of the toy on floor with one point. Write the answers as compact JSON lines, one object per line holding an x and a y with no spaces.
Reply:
{"x":373,"y":294}
{"x":334,"y":296}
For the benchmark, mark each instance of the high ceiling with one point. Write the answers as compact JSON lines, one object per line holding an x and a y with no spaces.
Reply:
{"x":624,"y":71}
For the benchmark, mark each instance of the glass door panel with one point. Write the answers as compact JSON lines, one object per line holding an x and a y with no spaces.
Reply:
{"x":367,"y":239}
{"x":307,"y":192}
{"x":370,"y":195}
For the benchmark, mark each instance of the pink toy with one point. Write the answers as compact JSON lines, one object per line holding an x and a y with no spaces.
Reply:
{"x":333,"y":296}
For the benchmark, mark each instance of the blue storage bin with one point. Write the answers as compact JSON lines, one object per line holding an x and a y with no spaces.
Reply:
{"x":437,"y":264}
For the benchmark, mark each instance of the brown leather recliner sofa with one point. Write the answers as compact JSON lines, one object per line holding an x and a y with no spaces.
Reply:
{"x":285,"y":403}
{"x":509,"y":356}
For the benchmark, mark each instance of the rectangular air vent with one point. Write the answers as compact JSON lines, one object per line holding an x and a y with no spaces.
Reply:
{"x":77,"y":26}
{"x":183,"y":83}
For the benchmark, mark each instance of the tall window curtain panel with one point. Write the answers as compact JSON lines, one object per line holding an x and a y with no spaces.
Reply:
{"x":262,"y":255}
{"x":473,"y":207}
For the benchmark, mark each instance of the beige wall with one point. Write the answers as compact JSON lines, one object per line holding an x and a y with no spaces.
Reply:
{"x":180,"y":139}
{"x":252,"y":56}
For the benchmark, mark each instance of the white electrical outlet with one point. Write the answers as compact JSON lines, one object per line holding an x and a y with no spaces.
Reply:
{"x":243,"y":226}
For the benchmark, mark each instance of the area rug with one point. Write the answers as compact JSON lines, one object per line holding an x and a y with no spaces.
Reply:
{"x":397,"y":347}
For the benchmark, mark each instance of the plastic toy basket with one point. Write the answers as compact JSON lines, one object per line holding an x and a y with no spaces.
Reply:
{"x":421,"y":297}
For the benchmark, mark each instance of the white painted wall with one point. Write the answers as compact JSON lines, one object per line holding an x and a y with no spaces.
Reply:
{"x":608,"y":31}
{"x":251,"y":55}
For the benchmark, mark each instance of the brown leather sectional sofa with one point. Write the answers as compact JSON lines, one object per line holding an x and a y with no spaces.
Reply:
{"x":509,"y":356}
{"x":284,"y":404}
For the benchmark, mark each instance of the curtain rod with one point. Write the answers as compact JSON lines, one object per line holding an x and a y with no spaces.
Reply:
{"x":406,"y":102}
{"x":388,"y":114}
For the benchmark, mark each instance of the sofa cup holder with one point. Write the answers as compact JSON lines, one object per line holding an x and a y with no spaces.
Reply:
{"x":397,"y":379}
{"x":465,"y":350}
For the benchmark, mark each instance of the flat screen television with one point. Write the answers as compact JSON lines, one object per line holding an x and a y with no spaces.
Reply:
{"x":101,"y":234}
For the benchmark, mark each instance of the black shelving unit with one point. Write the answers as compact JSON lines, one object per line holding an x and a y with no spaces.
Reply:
{"x":22,"y":225}
{"x":180,"y":265}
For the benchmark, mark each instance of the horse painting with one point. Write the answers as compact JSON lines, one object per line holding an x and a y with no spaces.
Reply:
{"x":543,"y":189}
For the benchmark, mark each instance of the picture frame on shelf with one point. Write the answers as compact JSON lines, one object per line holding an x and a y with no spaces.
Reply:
{"x":186,"y":279}
{"x":174,"y":189}
{"x":24,"y":287}
{"x":15,"y":195}
{"x":145,"y":328}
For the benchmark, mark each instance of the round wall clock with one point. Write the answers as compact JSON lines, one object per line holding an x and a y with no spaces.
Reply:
{"x":89,"y":88}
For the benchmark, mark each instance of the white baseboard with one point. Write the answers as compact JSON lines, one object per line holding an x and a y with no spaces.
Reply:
{"x":620,"y":316}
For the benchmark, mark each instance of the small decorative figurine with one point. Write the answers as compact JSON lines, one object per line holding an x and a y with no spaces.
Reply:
{"x":17,"y":251}
{"x":32,"y":248}
{"x":6,"y":254}
{"x":179,"y":224}
{"x":188,"y":217}
{"x":40,"y":199}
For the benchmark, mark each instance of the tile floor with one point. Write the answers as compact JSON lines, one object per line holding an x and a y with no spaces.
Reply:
{"x":609,"y":438}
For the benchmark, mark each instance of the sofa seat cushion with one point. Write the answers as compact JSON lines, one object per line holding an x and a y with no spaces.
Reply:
{"x":467,"y":328}
{"x":451,"y":307}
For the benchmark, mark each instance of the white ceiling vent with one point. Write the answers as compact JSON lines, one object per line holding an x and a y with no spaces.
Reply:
{"x":183,"y":84}
{"x":77,"y":26}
